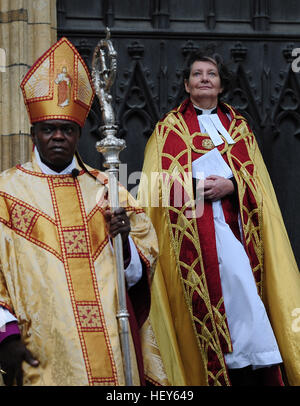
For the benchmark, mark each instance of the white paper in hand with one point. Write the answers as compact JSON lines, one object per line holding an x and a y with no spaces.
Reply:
{"x":211,"y":163}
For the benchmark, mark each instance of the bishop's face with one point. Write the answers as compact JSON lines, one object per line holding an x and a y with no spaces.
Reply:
{"x":56,"y":141}
{"x":204,"y":84}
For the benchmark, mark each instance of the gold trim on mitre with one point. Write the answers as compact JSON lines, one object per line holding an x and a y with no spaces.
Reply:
{"x":58,"y":85}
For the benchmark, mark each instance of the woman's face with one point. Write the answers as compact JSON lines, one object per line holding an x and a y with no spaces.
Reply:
{"x":204,"y":84}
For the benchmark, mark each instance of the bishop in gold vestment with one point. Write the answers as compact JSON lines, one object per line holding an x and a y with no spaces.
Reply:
{"x":57,"y":274}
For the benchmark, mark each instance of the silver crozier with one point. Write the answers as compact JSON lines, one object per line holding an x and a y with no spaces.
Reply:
{"x":110,"y":146}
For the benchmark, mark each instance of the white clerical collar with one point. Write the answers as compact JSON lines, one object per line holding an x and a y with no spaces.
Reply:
{"x":213,"y":126}
{"x":205,"y":111}
{"x":47,"y":171}
{"x":200,"y":111}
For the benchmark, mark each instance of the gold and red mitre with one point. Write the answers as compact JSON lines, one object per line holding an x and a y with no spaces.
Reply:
{"x":58,"y":85}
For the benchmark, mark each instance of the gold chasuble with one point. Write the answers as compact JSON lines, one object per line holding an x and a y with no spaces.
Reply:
{"x":188,"y":315}
{"x":57,"y":274}
{"x":57,"y":266}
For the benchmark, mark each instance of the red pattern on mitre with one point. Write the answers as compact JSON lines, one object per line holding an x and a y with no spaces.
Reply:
{"x":58,"y":85}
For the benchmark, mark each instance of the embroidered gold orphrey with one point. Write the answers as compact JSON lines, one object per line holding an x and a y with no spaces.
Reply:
{"x":211,"y":330}
{"x":77,"y":251}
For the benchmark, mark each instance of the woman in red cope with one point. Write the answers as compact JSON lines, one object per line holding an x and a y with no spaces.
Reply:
{"x":226,"y":281}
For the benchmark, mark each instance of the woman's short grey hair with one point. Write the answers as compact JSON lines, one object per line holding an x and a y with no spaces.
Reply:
{"x":203,"y":56}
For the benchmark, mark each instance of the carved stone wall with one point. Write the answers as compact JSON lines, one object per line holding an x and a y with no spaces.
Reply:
{"x":153,"y":39}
